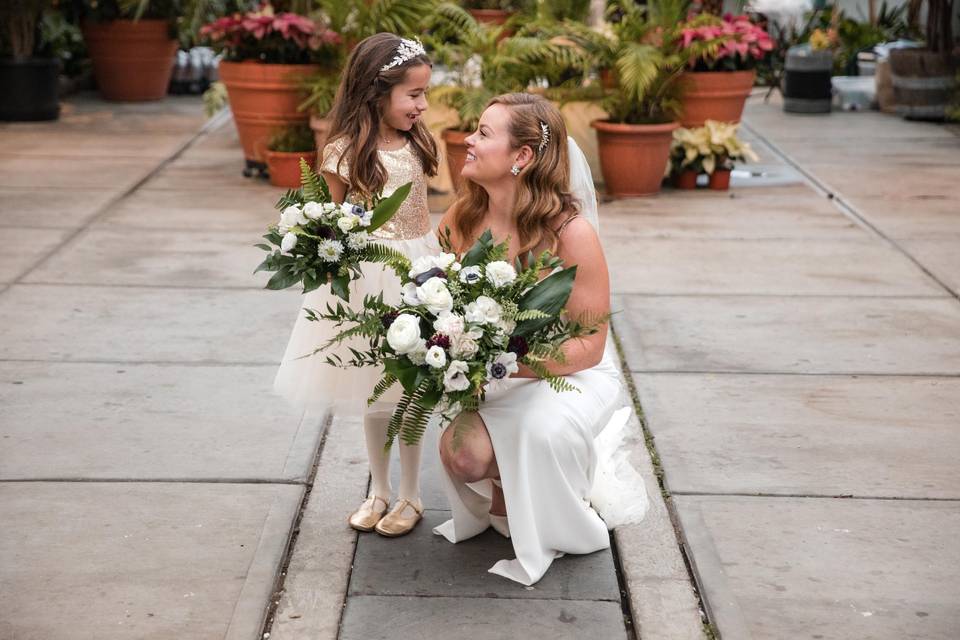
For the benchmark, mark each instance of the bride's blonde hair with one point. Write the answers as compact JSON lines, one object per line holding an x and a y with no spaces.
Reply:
{"x":543,"y":186}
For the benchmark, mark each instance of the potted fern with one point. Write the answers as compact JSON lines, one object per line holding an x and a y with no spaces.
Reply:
{"x":640,"y":94}
{"x":481,"y":64}
{"x":284,"y":151}
{"x":28,"y":70}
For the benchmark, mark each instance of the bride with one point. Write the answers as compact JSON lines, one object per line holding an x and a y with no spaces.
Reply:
{"x":526,"y":462}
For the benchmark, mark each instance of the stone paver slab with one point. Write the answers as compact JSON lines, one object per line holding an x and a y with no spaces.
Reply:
{"x":424,"y":564}
{"x":821,"y":435}
{"x":387,"y":618}
{"x":771,"y":267}
{"x":23,"y":248}
{"x":86,"y":323}
{"x":757,"y":213}
{"x":826,"y":568}
{"x":790,"y":335}
{"x":249,"y":208}
{"x":940,"y":257}
{"x":149,"y":422}
{"x":926,"y":182}
{"x":222,"y":259}
{"x":132,"y":560}
{"x":116,"y":174}
{"x":24,"y":207}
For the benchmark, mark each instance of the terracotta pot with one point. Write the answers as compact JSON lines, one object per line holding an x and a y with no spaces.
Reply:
{"x":284,"y":167}
{"x":714,"y":95}
{"x":685,"y":179}
{"x":321,"y":129}
{"x":720,"y":180}
{"x":633,"y":156}
{"x":456,"y":154}
{"x":490,"y":16}
{"x":132,"y":61}
{"x":263,"y":98}
{"x":608,"y":78}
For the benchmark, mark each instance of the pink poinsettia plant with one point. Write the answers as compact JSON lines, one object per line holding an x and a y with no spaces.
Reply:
{"x":267,"y":36}
{"x":730,"y":43}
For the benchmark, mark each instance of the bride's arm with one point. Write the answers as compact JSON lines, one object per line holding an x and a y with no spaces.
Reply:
{"x":590,"y":297}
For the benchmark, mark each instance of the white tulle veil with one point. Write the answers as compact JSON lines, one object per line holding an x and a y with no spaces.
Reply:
{"x":618,"y":492}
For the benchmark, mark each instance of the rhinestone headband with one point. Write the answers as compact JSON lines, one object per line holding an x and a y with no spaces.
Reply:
{"x":406,"y":50}
{"x":544,"y":137}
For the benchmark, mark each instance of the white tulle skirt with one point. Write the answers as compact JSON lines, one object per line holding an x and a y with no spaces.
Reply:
{"x":310,"y":382}
{"x":561,"y":461}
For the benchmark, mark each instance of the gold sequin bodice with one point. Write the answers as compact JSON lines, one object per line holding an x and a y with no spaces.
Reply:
{"x":402,"y":165}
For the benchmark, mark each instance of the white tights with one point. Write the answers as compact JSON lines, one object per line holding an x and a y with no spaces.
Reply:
{"x":375,"y":432}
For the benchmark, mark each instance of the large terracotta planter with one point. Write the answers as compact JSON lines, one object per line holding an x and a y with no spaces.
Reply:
{"x":321,"y":130}
{"x":132,"y":60}
{"x":264,"y":98}
{"x":456,"y":154}
{"x":284,"y":167}
{"x":714,"y":95}
{"x":490,"y":16}
{"x":633,"y":156}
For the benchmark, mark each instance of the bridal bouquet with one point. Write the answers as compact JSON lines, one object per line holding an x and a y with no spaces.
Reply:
{"x":318,"y":241}
{"x":464,"y":325}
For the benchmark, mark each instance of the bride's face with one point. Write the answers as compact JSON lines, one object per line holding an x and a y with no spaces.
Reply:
{"x":489,"y":154}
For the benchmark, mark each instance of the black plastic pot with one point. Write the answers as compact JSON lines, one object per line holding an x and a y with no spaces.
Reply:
{"x":28,"y":89}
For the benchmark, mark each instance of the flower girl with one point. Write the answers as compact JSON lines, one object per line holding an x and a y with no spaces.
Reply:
{"x":377,"y":143}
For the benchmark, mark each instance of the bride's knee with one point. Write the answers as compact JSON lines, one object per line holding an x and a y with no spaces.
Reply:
{"x":462,"y":462}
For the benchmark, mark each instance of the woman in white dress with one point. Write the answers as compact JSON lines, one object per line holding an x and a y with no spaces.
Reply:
{"x":527,"y":460}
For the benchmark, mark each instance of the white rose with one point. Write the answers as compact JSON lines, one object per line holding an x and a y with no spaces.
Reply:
{"x":507,"y":326}
{"x":409,"y":295}
{"x":346,"y":223}
{"x":470,"y":275}
{"x":455,"y":377}
{"x":329,"y":207}
{"x":418,"y":355}
{"x":456,"y":266}
{"x":291,"y":217}
{"x":483,"y":310}
{"x":313,"y":210}
{"x":444,"y":260}
{"x":500,"y":273}
{"x":403,"y":336}
{"x":435,"y":295}
{"x":421,"y":265}
{"x":289,"y":242}
{"x":358,"y":240}
{"x":436,"y":357}
{"x":449,"y":324}
{"x":464,"y":347}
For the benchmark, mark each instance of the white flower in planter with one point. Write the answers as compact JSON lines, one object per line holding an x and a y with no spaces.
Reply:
{"x":288,"y":242}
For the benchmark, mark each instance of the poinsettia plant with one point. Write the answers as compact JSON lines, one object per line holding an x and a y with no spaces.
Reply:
{"x":730,"y":43}
{"x":708,"y":148}
{"x":268,"y":36}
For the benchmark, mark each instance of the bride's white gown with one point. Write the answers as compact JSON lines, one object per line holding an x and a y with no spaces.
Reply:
{"x":547,"y":450}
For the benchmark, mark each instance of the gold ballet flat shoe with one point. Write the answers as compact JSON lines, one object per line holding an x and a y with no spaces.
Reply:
{"x":395,"y":524}
{"x":367,"y":516}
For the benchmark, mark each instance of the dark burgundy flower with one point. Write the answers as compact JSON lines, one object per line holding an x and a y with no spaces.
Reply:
{"x":440,"y":340}
{"x":518,"y":345}
{"x":387,"y":319}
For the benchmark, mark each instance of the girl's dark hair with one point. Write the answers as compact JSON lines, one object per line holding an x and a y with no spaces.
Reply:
{"x":363,"y":92}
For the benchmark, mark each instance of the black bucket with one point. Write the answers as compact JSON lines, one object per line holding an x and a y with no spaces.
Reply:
{"x":29,"y":89}
{"x":806,"y":80}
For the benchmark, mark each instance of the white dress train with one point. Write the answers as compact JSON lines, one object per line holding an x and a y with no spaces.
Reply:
{"x":549,"y":448}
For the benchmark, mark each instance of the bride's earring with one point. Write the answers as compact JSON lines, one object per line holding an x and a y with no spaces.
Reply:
{"x":515,"y":169}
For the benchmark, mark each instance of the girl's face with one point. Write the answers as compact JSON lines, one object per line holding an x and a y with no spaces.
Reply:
{"x":489,"y":152}
{"x":408,"y":100}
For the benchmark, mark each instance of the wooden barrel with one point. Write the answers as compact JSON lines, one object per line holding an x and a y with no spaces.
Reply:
{"x":806,"y":80}
{"x":923,"y":83}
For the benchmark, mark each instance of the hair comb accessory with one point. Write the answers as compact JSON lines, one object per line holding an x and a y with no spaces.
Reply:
{"x":544,"y":137}
{"x":406,"y":50}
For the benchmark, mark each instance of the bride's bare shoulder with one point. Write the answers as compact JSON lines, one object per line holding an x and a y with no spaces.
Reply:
{"x":578,"y":240}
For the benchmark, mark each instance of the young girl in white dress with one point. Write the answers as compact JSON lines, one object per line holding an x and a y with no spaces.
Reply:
{"x":530,"y":457}
{"x":378,"y":142}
